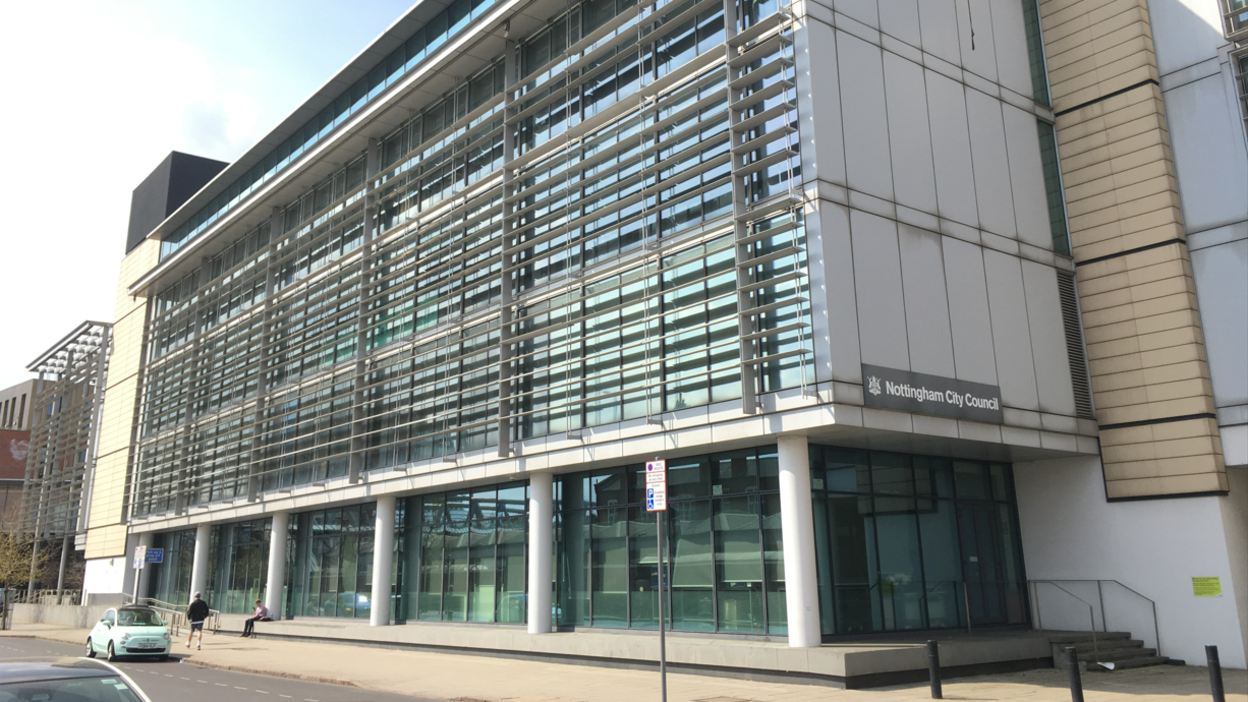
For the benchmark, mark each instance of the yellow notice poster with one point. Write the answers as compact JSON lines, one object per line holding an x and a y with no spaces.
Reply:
{"x":1206,"y":587}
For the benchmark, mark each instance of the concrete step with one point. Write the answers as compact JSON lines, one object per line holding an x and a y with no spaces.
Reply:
{"x":1141,"y":662}
{"x":1117,"y":654}
{"x":1077,"y":637}
{"x":1101,"y":644}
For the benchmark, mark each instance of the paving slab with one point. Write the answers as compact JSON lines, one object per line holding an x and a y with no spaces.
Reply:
{"x":470,"y":678}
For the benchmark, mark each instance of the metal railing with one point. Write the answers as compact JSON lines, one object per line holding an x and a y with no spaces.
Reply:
{"x":175,"y":614}
{"x":1085,"y":587}
{"x":47,"y":597}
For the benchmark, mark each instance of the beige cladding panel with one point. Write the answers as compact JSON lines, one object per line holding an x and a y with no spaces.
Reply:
{"x":106,"y":542}
{"x":1145,"y":345}
{"x":107,"y":535}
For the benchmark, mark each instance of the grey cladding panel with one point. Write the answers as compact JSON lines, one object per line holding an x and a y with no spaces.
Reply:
{"x":908,"y":134}
{"x":1011,"y":335}
{"x":1048,"y":339}
{"x":927,"y":311}
{"x":877,"y":276}
{"x":992,"y":168}
{"x":952,"y":151}
{"x":969,"y":317}
{"x":866,"y":120}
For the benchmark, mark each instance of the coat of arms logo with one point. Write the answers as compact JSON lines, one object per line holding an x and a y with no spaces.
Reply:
{"x":873,"y":385}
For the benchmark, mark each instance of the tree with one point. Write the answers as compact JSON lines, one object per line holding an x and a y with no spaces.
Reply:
{"x":15,"y":550}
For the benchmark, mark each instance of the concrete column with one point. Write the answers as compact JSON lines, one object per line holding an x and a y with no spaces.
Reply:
{"x":199,"y":567}
{"x":144,"y":575}
{"x":277,"y":564}
{"x":798,"y":529}
{"x":541,"y":543}
{"x":66,"y":544}
{"x":383,"y":561}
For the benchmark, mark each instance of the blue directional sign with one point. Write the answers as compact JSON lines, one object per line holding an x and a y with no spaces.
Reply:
{"x":155,"y":555}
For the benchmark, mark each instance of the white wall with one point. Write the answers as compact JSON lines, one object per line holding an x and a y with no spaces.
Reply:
{"x":103,"y":577}
{"x":1070,"y":532}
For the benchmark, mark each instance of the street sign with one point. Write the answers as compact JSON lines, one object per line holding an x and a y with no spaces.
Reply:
{"x":656,"y":497}
{"x":140,"y":557}
{"x":155,"y":555}
{"x":656,"y":486}
{"x":656,"y":501}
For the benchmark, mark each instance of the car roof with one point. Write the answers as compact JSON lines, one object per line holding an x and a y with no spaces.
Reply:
{"x":135,"y":608}
{"x":18,"y":670}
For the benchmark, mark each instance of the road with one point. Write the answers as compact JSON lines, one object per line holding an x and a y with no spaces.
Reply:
{"x":173,"y":680}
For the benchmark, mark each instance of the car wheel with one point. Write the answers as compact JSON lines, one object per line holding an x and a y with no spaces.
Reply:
{"x":90,"y":648}
{"x":112,"y":653}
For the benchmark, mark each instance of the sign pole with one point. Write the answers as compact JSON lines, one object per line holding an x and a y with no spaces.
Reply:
{"x":656,"y":501}
{"x":658,"y":521}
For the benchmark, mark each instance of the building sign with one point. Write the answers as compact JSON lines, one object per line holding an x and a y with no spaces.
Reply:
{"x":656,"y":486}
{"x":1207,"y":587}
{"x":931,"y":394}
{"x":155,"y":555}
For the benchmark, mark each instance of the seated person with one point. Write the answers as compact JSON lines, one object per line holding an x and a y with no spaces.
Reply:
{"x":260,"y":615}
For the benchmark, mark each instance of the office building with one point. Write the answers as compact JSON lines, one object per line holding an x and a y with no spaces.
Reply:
{"x":405,"y":359}
{"x":16,"y":406}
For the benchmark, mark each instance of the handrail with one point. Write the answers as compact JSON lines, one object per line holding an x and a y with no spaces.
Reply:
{"x":1091,"y":611}
{"x":176,"y":612}
{"x":1104,"y":620}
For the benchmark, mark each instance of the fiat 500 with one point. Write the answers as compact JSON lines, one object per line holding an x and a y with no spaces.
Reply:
{"x":129,"y":631}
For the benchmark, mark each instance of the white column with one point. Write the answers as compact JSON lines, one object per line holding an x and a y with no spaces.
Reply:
{"x":383,"y":561}
{"x":541,"y":540}
{"x":199,"y":567}
{"x":277,"y":564}
{"x":798,"y":529}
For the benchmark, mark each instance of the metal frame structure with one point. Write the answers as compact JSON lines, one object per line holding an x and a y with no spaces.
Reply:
{"x":444,"y":289}
{"x":69,"y":396}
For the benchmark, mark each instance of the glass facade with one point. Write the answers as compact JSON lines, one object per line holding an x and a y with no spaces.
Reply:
{"x":170,"y":580}
{"x":1053,"y":187}
{"x":907,"y":542}
{"x":609,"y":228}
{"x":329,"y":568}
{"x":238,"y":565}
{"x":406,"y":57}
{"x":462,"y":556}
{"x":723,"y":542}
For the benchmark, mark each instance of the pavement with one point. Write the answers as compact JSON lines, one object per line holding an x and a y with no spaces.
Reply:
{"x":481,"y":678}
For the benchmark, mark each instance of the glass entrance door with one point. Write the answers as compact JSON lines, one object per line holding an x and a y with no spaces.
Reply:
{"x":981,"y":564}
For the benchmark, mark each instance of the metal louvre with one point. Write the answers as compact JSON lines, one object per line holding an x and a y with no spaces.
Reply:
{"x":1074,"y":345}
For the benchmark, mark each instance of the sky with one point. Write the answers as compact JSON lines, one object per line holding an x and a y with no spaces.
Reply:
{"x":95,"y":94}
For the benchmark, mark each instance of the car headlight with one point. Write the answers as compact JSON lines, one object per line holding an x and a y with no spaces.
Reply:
{"x":167,"y":636}
{"x":125,"y":638}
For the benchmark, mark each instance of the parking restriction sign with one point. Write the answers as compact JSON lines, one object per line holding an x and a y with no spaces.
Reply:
{"x":656,"y":486}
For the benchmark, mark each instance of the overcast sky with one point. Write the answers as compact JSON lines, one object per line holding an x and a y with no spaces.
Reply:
{"x":96,"y":94}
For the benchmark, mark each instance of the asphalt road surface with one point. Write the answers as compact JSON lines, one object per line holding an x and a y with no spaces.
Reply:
{"x":178,"y":682}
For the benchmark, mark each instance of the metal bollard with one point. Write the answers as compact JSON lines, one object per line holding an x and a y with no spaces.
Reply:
{"x":933,"y":670}
{"x":1076,"y":683}
{"x":1215,"y":674}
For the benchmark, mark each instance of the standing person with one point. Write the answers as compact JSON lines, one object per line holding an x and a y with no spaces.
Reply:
{"x":260,"y":615}
{"x":196,"y":614}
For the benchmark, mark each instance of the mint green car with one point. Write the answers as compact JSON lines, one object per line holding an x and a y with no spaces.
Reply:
{"x":129,"y":631}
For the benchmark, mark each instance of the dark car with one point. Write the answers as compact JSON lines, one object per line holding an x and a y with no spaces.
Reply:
{"x":65,"y":680}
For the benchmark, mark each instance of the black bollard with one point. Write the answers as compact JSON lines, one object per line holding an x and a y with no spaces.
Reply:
{"x":933,"y":669}
{"x":1215,"y":674}
{"x":1076,"y":683}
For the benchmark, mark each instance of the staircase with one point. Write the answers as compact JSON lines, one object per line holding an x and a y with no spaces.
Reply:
{"x":1111,"y":647}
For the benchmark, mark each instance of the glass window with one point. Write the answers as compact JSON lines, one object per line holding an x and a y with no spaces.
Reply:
{"x":724,"y":551}
{"x":472,"y":549}
{"x":1053,"y":187}
{"x":911,"y":546}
